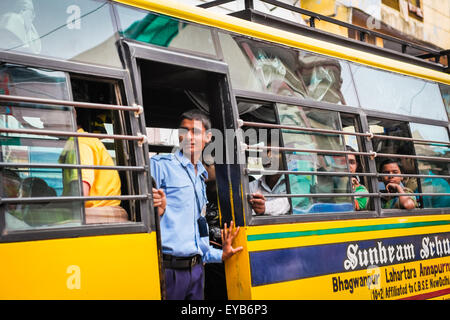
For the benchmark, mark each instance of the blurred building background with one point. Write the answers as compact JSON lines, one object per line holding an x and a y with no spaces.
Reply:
{"x":422,"y":22}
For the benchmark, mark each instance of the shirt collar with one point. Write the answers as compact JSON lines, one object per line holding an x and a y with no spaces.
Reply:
{"x":185,"y":163}
{"x":265,"y":186}
{"x":183,"y":160}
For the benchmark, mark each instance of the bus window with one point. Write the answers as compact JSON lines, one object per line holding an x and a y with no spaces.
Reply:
{"x":432,"y":184}
{"x":394,"y":93}
{"x":164,"y":31}
{"x":305,"y":161}
{"x":256,"y":112}
{"x":445,"y":91}
{"x":61,"y":29}
{"x":266,"y":160}
{"x":22,"y":176}
{"x":386,"y":150}
{"x":258,"y":66}
{"x":387,"y":146}
{"x":104,"y":122}
{"x":97,"y":121}
{"x":317,"y":192}
{"x":357,"y":164}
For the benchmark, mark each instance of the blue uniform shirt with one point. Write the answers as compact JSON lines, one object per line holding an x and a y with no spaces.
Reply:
{"x":180,"y":233}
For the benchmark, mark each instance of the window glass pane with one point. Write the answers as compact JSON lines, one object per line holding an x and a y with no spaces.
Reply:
{"x":392,"y":147}
{"x":164,"y":31}
{"x":18,"y":80}
{"x":61,"y":29}
{"x":356,"y":163}
{"x":268,"y":68}
{"x":433,"y":185}
{"x":20,"y":148}
{"x":267,"y":184}
{"x":105,"y":152}
{"x":395,"y":93}
{"x":304,"y":161}
{"x":445,"y":91}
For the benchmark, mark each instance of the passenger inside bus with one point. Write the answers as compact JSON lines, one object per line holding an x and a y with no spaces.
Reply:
{"x":270,"y":184}
{"x":354,"y":166}
{"x":408,"y":166}
{"x":36,"y":187}
{"x":36,"y":214}
{"x":435,"y":185}
{"x":96,"y":182}
{"x":215,"y":282}
{"x":10,"y":189}
{"x":393,"y":184}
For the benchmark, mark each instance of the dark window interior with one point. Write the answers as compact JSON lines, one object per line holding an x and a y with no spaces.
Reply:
{"x":107,"y":122}
{"x":168,"y":91}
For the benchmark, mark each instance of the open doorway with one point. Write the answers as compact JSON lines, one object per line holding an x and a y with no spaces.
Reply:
{"x":167,"y":92}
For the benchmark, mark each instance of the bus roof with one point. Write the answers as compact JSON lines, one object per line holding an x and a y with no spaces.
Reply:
{"x":263,"y":32}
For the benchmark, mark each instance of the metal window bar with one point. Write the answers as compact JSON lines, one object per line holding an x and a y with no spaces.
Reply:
{"x":421,"y":141}
{"x":141,"y":138}
{"x":343,"y":174}
{"x":71,"y":198}
{"x":321,"y":151}
{"x":307,"y":173}
{"x":324,"y":195}
{"x":297,"y":128}
{"x":409,"y":156}
{"x":70,"y":166}
{"x":375,"y":194}
{"x":138,"y":109}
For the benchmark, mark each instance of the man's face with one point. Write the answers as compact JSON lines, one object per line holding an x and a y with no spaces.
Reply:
{"x":193,"y":137}
{"x":391,"y":168}
{"x":271,"y":159}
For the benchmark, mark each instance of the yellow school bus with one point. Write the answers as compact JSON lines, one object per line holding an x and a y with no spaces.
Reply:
{"x":129,"y":68}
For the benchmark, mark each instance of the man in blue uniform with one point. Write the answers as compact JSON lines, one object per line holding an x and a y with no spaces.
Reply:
{"x":184,"y":232}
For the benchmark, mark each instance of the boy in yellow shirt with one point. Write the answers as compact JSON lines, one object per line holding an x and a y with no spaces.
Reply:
{"x":96,"y":182}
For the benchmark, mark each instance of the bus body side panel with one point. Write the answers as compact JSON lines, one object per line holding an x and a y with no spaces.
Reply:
{"x":100,"y":267}
{"x":386,"y":258}
{"x":237,"y":270}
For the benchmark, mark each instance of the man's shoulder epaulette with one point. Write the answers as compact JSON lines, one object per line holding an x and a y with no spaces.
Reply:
{"x":160,"y":157}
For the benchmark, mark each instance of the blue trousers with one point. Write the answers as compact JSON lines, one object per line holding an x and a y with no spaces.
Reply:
{"x":185,"y":284}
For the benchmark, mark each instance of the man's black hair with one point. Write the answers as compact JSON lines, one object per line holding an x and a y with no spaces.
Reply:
{"x":7,"y":173}
{"x":388,"y":161}
{"x":357,"y":158}
{"x":349,"y":148}
{"x":196,"y":114}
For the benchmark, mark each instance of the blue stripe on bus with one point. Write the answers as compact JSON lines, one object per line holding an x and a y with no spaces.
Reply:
{"x":290,"y":264}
